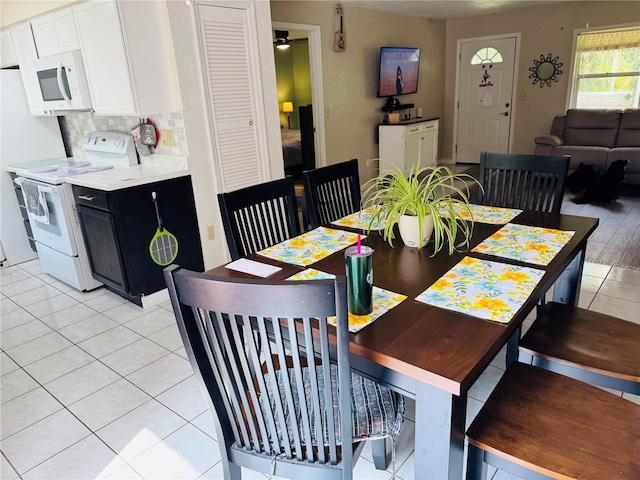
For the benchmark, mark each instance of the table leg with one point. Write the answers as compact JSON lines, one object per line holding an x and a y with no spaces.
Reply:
{"x":566,"y":289}
{"x":512,"y":346}
{"x":440,"y":427}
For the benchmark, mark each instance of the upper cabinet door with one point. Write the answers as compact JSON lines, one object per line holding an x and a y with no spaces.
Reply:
{"x":128,"y":56}
{"x":8,"y":56}
{"x":105,"y":58}
{"x":55,"y":33}
{"x":25,"y":50}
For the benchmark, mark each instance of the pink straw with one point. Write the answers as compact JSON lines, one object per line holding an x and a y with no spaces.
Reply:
{"x":358,"y":244}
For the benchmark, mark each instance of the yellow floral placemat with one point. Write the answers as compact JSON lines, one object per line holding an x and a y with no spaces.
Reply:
{"x":383,"y":300}
{"x":490,"y":290}
{"x":528,"y":244}
{"x":486,"y":214}
{"x":311,"y":246}
{"x":361,"y":220}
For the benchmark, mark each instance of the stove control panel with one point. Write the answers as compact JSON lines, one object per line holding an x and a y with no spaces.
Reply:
{"x":117,"y":144}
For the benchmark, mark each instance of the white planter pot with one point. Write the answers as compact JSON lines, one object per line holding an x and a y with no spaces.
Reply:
{"x":410,"y":231}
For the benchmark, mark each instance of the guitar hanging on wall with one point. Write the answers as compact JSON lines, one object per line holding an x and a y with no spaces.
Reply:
{"x":339,"y":38}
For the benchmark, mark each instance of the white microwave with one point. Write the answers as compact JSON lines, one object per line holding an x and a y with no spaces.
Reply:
{"x":63,"y":82}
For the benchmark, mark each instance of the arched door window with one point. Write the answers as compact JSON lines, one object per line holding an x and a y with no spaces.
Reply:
{"x":486,"y":55}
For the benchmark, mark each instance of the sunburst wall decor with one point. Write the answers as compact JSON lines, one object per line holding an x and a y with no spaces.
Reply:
{"x":545,"y":70}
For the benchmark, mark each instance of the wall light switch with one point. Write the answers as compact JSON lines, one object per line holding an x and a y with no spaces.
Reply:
{"x":210,"y":233}
{"x":326,"y":112}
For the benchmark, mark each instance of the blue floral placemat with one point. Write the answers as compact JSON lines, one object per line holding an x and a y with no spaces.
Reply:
{"x":528,"y":244}
{"x":485,"y":213}
{"x":383,"y":300}
{"x":311,"y":246}
{"x":362,"y":220}
{"x":490,"y":290}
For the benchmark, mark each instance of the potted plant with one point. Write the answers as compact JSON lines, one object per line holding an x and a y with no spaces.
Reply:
{"x":429,"y":201}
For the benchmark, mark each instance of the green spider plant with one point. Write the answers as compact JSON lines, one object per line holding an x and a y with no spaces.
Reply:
{"x":426,"y":191}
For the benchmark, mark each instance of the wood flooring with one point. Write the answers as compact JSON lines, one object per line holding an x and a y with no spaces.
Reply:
{"x":616,"y":241}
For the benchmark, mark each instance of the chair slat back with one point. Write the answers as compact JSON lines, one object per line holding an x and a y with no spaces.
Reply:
{"x":265,"y":359}
{"x":527,"y":182}
{"x":259,"y":216}
{"x":332,"y":192}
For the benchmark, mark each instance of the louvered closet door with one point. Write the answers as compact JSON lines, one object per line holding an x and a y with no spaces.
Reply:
{"x":227,"y":68}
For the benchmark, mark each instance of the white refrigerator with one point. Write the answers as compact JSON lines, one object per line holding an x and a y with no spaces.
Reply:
{"x":23,"y":138}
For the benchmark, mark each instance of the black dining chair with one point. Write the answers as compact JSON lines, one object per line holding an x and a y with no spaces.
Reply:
{"x":540,"y":424}
{"x":276,"y":375}
{"x":586,"y":345}
{"x":259,"y":216}
{"x":332,"y":192}
{"x":527,"y":182}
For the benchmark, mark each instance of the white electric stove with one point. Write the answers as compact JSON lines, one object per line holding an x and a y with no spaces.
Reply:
{"x":52,"y":209}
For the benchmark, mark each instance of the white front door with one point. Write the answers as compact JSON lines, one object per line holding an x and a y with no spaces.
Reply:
{"x":485,"y":97}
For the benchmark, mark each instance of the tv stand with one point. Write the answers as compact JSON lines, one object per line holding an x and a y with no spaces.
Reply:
{"x":393,"y":104}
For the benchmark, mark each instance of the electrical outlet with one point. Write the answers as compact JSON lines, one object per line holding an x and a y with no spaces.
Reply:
{"x":419,"y":112}
{"x":523,"y":97}
{"x":210,"y":233}
{"x":367,"y":162}
{"x":168,"y":140}
{"x":81,"y":130}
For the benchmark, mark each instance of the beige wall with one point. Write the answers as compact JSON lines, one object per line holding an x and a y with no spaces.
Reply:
{"x":350,"y":80}
{"x":544,"y":29}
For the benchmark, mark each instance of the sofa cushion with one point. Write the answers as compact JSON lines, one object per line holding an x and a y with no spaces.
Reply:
{"x":629,"y":133}
{"x":626,"y":153}
{"x":589,"y":155}
{"x":591,"y":127}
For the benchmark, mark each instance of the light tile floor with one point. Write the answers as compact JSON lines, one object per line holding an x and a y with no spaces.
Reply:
{"x":95,"y":387}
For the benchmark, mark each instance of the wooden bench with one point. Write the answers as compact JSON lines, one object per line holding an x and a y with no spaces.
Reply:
{"x":539,"y":424}
{"x":590,"y":346}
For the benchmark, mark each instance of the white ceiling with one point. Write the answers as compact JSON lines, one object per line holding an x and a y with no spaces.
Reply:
{"x":447,"y":9}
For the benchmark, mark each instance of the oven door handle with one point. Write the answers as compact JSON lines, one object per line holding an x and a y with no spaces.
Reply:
{"x":41,"y":186}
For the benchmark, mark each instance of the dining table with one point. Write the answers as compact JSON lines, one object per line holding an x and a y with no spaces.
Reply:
{"x":433,"y":353}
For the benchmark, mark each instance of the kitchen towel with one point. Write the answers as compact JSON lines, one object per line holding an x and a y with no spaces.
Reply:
{"x":35,"y":201}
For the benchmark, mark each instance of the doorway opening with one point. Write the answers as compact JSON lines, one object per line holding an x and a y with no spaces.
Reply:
{"x":300,"y":95}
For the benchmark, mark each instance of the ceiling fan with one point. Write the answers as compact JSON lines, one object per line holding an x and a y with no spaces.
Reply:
{"x":282,"y":40}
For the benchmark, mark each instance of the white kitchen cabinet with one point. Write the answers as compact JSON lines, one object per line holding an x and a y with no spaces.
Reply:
{"x":128,"y":56}
{"x":408,"y":144}
{"x":26,"y":53}
{"x":7,"y":53}
{"x":55,"y":33}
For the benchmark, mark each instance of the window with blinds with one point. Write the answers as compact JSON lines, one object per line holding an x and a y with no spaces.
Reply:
{"x":607,"y":69}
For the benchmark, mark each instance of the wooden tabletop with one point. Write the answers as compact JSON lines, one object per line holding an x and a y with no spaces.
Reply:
{"x":440,"y":347}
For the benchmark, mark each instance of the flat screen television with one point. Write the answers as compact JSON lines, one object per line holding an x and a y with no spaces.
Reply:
{"x":398,"y":71}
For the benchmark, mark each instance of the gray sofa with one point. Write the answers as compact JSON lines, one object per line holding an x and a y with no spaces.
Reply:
{"x":596,"y":137}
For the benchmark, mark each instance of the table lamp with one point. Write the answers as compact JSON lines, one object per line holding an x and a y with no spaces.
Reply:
{"x":287,"y":107}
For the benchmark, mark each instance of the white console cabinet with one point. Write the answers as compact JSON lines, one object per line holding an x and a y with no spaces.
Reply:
{"x":408,"y":144}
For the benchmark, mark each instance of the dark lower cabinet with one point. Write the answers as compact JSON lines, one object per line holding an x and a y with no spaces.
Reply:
{"x":118,"y":227}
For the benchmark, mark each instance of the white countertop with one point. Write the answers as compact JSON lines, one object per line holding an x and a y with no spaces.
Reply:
{"x":154,"y":168}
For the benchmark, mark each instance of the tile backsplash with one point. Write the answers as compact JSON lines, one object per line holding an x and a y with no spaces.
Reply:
{"x":79,"y":124}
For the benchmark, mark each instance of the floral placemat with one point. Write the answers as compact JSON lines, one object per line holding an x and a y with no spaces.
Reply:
{"x":485,"y":213}
{"x":528,"y":244}
{"x":490,"y":290}
{"x":362,"y":220}
{"x":383,"y":300}
{"x":311,"y":246}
